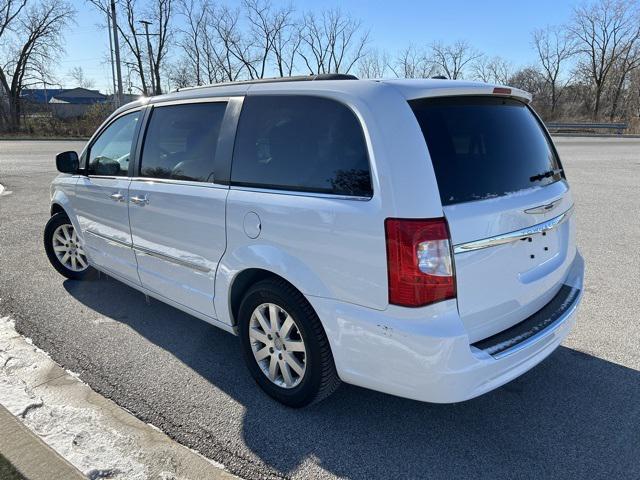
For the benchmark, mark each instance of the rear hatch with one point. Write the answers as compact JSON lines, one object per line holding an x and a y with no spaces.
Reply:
{"x":507,"y":202}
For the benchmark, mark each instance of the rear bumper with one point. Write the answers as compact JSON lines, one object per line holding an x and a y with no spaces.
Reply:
{"x":424,"y":354}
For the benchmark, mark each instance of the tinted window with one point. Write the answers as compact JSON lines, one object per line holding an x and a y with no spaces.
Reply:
{"x":181,"y":141}
{"x":301,"y":143}
{"x":483,"y":147}
{"x":110,"y":153}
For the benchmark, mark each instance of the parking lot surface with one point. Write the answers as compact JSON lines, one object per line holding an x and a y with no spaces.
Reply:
{"x":577,"y":415}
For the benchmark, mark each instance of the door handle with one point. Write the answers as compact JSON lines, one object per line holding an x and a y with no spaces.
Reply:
{"x":142,"y":200}
{"x":117,"y":197}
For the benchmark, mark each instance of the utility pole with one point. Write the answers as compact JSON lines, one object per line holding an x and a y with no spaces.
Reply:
{"x":116,"y":47}
{"x":146,"y":31}
{"x":113,"y":67}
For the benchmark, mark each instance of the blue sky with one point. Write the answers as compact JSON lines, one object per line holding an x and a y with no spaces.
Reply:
{"x":495,"y":27}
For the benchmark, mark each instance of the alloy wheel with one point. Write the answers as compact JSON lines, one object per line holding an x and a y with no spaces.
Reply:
{"x":277,"y":345}
{"x":69,"y":249}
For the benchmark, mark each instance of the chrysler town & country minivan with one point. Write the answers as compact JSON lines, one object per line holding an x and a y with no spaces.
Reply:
{"x":414,"y":237}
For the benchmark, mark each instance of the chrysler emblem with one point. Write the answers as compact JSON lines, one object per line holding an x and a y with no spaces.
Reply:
{"x":543,"y":208}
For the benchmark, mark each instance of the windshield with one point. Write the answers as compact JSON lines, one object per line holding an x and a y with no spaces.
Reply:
{"x":484,"y":147}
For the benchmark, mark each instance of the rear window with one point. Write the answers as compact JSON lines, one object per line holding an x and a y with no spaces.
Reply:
{"x":300,"y":143}
{"x":484,"y":147}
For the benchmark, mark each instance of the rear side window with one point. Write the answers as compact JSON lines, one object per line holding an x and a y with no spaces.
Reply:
{"x":181,"y":141}
{"x":301,"y":143}
{"x":484,"y":147}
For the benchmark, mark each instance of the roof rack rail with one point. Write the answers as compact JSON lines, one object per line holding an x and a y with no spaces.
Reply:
{"x":298,"y":78}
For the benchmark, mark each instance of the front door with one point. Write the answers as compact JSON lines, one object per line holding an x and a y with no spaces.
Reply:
{"x":177,"y":213}
{"x":101,"y":198}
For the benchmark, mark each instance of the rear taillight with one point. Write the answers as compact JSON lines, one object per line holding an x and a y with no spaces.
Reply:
{"x":419,"y":261}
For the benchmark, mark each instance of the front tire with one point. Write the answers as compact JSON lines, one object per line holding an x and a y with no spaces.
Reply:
{"x":65,"y":249}
{"x":284,"y":344}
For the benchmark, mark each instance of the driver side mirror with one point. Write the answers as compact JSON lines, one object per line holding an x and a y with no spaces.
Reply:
{"x":67,"y":162}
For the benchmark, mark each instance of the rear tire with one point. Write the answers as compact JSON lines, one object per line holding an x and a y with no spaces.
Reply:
{"x":290,"y":359}
{"x":64,"y":248}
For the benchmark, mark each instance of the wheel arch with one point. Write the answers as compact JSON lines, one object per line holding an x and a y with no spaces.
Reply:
{"x":61,"y":203}
{"x":242,"y":282}
{"x":243,"y":266}
{"x":57,"y":208}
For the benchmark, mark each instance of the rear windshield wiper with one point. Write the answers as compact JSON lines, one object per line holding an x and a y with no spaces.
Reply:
{"x":547,"y":174}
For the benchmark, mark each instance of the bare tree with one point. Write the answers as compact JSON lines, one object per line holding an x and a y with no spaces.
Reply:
{"x":267,"y":26}
{"x":554,"y":48}
{"x":451,"y":60}
{"x":492,"y":70}
{"x":287,"y":42}
{"x":160,"y":13}
{"x":77,"y":74}
{"x":374,"y":64}
{"x":181,"y":74}
{"x":603,"y":31}
{"x":412,"y":62}
{"x":626,"y":64}
{"x":31,"y":38}
{"x":9,"y":11}
{"x":195,"y":13}
{"x":227,"y":48}
{"x":128,"y":32}
{"x":529,"y":79}
{"x":207,"y":55}
{"x":333,"y":42}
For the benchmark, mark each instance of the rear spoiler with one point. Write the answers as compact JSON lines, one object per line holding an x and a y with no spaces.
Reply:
{"x":455,"y":90}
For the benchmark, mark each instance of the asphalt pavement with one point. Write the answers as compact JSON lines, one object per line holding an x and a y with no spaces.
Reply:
{"x":576,"y":415}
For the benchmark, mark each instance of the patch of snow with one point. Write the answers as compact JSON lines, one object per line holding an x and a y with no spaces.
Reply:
{"x":81,"y":435}
{"x":81,"y":426}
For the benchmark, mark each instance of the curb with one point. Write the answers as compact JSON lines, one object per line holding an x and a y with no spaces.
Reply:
{"x":29,"y":455}
{"x":89,"y":431}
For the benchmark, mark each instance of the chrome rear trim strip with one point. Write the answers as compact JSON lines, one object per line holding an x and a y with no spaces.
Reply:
{"x":513,"y":236}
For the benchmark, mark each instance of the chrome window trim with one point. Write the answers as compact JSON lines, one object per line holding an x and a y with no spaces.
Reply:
{"x":513,"y":236}
{"x":173,"y":181}
{"x":168,"y":258}
{"x":167,"y":103}
{"x":298,"y":193}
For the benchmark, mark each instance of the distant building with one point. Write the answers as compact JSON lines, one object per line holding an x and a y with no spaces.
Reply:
{"x":65,"y":103}
{"x":79,"y":96}
{"x":40,"y":95}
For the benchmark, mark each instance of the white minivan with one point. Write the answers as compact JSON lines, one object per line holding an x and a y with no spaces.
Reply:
{"x":414,"y":237}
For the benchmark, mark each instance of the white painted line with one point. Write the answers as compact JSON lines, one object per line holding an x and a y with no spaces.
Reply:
{"x":91,"y":432}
